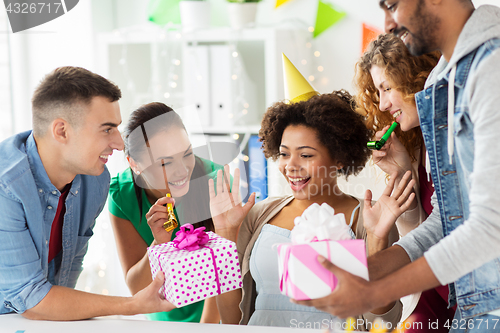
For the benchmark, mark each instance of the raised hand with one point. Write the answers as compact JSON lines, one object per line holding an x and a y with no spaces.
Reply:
{"x":381,"y":217}
{"x":393,"y":157}
{"x":157,"y":216}
{"x":226,"y":206}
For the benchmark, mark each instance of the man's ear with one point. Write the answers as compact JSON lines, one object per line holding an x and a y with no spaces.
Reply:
{"x":133,"y":165}
{"x":59,"y":130}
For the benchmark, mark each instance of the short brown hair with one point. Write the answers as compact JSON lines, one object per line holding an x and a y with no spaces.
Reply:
{"x":61,"y":92}
{"x":337,"y":126}
{"x":405,"y":72}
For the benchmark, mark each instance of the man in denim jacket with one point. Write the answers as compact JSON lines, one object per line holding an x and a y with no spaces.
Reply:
{"x":53,"y":185}
{"x":459,"y":111}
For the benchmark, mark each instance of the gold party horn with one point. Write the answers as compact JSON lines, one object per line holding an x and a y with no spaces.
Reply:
{"x":171,"y":223}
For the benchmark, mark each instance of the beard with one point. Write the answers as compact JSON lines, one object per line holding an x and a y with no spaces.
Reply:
{"x":423,"y":38}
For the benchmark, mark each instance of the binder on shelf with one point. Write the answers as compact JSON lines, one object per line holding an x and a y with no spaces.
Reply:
{"x":220,"y":84}
{"x":257,"y":170}
{"x":197,"y":81}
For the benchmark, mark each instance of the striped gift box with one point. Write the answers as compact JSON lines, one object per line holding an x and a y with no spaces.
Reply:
{"x":302,"y":277}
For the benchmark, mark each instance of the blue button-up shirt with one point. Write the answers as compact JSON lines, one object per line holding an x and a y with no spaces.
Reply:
{"x":28,"y":204}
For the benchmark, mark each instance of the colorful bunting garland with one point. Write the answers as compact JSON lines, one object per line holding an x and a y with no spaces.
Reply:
{"x":162,"y":12}
{"x":326,"y":17}
{"x":369,"y":34}
{"x":280,"y":2}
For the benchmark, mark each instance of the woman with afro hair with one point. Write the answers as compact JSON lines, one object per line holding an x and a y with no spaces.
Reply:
{"x":314,"y":142}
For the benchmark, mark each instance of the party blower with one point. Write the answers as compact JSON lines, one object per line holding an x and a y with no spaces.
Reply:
{"x":377,"y":145}
{"x":171,"y":223}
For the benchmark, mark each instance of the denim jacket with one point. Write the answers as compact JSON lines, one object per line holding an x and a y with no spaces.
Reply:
{"x":461,"y":238}
{"x":478,"y":291}
{"x":28,"y":204}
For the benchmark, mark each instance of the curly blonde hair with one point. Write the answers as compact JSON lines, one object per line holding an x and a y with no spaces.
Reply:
{"x":405,"y":72}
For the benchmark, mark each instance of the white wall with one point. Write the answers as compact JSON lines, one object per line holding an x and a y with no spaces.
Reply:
{"x":339,"y":46}
{"x":6,"y":125}
{"x":67,"y":40}
{"x":70,"y":40}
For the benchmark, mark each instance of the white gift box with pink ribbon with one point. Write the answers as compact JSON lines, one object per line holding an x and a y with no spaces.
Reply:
{"x":197,"y":265}
{"x":319,"y":231}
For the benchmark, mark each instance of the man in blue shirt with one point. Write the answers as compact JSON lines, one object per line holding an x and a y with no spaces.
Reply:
{"x":53,"y":185}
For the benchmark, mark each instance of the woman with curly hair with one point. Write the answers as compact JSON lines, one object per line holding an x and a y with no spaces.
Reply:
{"x":387,"y":78}
{"x":314,"y":141}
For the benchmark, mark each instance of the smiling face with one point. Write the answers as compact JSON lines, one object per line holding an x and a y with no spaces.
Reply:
{"x":306,"y":163}
{"x":414,"y":23}
{"x":172,"y":156}
{"x":91,"y":143}
{"x":391,"y":100}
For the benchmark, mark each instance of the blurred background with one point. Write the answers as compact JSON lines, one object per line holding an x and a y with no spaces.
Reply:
{"x":219,"y":70}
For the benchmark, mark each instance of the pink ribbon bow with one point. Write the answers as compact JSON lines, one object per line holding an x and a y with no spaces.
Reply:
{"x":190,"y":239}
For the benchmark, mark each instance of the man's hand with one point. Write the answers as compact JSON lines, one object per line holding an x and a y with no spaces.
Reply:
{"x":62,"y":303}
{"x":352,"y":296}
{"x":149,"y":300}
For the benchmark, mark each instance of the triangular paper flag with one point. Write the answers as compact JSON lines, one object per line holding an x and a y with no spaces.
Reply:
{"x":280,"y":2}
{"x":369,"y":34}
{"x":297,"y":88}
{"x":326,"y":17}
{"x":162,"y":12}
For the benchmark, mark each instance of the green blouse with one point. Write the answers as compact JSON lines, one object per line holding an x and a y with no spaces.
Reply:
{"x":122,"y":203}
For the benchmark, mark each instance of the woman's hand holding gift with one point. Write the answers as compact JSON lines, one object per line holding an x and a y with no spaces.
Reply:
{"x":156,"y":217}
{"x":226,"y":205}
{"x":380,"y":218}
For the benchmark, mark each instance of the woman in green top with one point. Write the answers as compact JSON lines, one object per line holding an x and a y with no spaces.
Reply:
{"x":157,"y":144}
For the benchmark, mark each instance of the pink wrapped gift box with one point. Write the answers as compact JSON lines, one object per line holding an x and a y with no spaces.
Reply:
{"x":191,"y":276}
{"x":301,"y":275}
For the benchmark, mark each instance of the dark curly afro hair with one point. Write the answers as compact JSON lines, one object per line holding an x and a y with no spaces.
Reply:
{"x":340,"y":129}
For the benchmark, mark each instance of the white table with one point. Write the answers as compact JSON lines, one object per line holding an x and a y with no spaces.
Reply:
{"x":14,"y":323}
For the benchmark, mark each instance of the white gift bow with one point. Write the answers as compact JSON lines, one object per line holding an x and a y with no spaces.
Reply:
{"x":319,"y":223}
